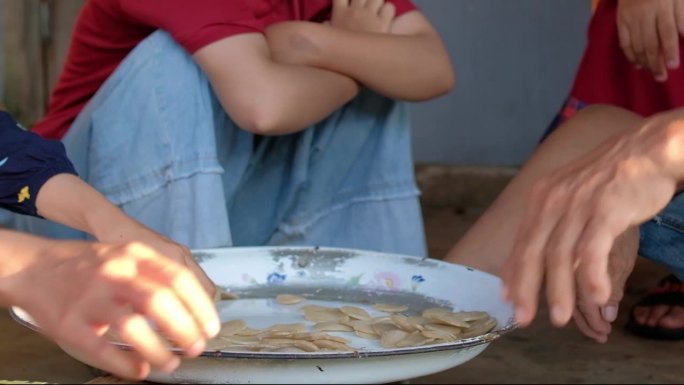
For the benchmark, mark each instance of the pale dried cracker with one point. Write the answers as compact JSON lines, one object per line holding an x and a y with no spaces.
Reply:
{"x":355,"y":312}
{"x":313,"y":336}
{"x":332,"y":345}
{"x":364,"y":326}
{"x":479,"y":328}
{"x":428,"y":313}
{"x":289,"y":299}
{"x":404,"y":323}
{"x":413,"y":339}
{"x":232,"y":327}
{"x":390,"y":308}
{"x":325,"y":315}
{"x":332,"y":327}
{"x":390,"y":338}
{"x":306,"y":346}
{"x":293,"y":328}
{"x":223,"y":294}
{"x":368,"y":336}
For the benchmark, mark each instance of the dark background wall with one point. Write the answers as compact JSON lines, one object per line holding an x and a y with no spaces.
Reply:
{"x":514,"y":62}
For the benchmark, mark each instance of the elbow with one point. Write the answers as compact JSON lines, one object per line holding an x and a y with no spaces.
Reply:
{"x":260,"y":119}
{"x":436,"y":84}
{"x":446,"y":82}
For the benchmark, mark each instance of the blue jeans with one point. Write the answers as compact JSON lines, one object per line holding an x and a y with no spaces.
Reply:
{"x":662,"y":238}
{"x":157,"y":143}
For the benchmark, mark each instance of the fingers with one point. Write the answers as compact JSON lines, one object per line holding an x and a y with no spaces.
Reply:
{"x":652,"y":50}
{"x":374,"y":5}
{"x":679,"y":16}
{"x":650,"y":38}
{"x":560,"y":277}
{"x":81,"y":342}
{"x":357,"y":3}
{"x":204,"y":280}
{"x":626,"y":43}
{"x":526,"y":261}
{"x":186,"y":288}
{"x":638,"y":46}
{"x":136,"y":331}
{"x":586,"y":329}
{"x":168,"y":313}
{"x":387,"y":12}
{"x":592,"y":251}
{"x":337,"y":4}
{"x":669,"y":39}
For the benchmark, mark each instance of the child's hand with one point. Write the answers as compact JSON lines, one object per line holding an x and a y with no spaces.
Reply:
{"x":649,"y":32}
{"x":78,"y":291}
{"x":363,"y":15}
{"x":136,"y":232}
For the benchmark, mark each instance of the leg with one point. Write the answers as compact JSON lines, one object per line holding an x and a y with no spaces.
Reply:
{"x":156,"y":142}
{"x":488,"y":243}
{"x":147,"y":142}
{"x":346,"y":182}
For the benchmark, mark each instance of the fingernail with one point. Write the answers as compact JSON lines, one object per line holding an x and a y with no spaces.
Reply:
{"x":197,"y":348}
{"x":212,"y":328}
{"x":521,"y":316}
{"x":609,"y":313}
{"x":557,"y":315}
{"x":171,"y":365}
{"x":504,"y":293}
{"x":672,"y":64}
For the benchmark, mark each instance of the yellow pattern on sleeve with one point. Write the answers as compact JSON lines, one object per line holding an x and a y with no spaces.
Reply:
{"x":24,"y":194}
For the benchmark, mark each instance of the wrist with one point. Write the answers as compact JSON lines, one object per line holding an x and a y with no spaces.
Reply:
{"x":18,"y":252}
{"x":668,"y":150}
{"x":113,"y":225}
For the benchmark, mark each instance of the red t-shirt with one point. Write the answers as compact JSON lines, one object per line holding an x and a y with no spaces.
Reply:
{"x":606,"y":76}
{"x":107,"y":30}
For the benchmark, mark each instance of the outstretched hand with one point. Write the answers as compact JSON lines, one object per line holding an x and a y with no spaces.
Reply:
{"x":80,"y":293}
{"x":574,"y":216}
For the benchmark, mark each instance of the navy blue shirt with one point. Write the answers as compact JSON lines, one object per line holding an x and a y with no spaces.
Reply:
{"x":27,"y":161}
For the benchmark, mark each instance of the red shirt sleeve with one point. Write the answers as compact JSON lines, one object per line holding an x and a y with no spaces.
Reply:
{"x":194,"y":24}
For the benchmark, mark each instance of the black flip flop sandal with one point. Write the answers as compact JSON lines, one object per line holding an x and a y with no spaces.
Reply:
{"x":670,"y":291}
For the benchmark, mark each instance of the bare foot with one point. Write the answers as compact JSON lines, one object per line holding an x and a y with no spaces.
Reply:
{"x":659,"y":310}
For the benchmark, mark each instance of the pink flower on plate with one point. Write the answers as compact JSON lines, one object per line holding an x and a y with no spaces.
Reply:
{"x":388,"y":279}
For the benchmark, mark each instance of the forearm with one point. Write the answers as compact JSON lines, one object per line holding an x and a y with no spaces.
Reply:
{"x":68,"y":200}
{"x":17,"y":252}
{"x":266,"y":97}
{"x":402,"y":66}
{"x":665,"y":143}
{"x":300,"y":97}
{"x":405,"y":67}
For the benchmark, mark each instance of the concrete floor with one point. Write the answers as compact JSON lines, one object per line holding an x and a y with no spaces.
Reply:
{"x":540,"y":353}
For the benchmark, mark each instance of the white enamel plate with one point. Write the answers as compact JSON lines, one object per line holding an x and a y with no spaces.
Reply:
{"x":334,"y":277}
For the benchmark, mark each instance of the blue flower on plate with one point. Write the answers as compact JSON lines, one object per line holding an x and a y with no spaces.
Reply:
{"x":276,"y":278}
{"x":416,"y":280}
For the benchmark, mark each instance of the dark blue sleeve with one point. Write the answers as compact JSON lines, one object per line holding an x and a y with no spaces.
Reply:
{"x":27,"y":161}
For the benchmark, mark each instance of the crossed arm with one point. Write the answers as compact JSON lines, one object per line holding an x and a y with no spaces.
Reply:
{"x":298,"y":73}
